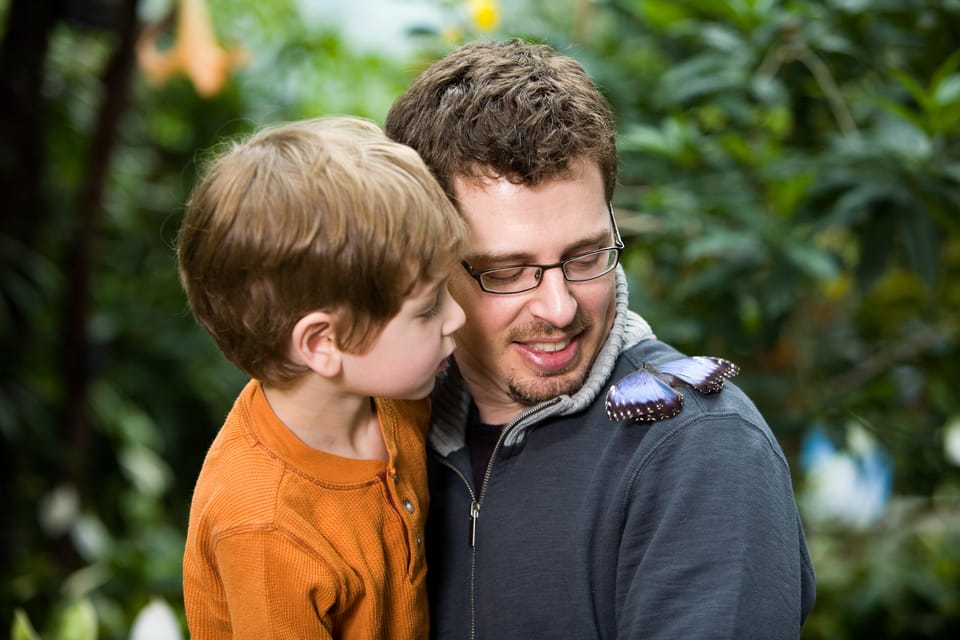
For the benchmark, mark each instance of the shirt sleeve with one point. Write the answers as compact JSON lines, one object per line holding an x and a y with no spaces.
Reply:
{"x":712,"y":545}
{"x":265,"y":584}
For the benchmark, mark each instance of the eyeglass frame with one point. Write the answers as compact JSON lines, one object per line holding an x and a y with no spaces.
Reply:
{"x":617,"y":244}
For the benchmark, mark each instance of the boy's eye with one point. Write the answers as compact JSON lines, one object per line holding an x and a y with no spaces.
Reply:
{"x":434,"y":308}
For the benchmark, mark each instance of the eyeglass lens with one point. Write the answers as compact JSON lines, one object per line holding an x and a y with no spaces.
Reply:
{"x":577,"y":269}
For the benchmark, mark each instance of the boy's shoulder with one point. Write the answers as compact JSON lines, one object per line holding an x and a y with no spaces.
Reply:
{"x":238,"y":477}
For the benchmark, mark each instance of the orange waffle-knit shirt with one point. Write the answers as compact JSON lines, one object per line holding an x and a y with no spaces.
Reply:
{"x":286,"y":541}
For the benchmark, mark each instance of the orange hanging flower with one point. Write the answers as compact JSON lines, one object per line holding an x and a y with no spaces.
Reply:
{"x":195,"y":52}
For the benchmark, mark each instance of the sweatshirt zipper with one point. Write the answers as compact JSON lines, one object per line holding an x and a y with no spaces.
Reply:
{"x":474,"y":511}
{"x":477,"y":498}
{"x":507,"y":430}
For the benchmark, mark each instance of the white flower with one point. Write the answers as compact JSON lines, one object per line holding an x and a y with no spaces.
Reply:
{"x":851,"y":486}
{"x":156,"y":621}
{"x":951,"y":440}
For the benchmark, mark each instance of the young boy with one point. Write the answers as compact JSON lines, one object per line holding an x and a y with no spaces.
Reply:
{"x":316,"y":254}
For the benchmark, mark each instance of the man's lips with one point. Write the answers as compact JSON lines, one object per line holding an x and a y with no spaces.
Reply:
{"x":550,"y":356}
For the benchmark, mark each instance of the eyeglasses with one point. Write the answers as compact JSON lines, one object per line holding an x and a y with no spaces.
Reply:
{"x":579,"y":268}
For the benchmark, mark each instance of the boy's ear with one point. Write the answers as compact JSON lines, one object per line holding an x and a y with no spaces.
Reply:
{"x":313,"y":343}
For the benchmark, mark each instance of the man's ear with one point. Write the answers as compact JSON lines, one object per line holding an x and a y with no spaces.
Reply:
{"x":313,"y":344}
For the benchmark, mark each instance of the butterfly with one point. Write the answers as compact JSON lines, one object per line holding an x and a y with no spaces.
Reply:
{"x":648,"y":395}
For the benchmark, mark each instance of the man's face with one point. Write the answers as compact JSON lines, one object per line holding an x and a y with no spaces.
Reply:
{"x":519,"y":349}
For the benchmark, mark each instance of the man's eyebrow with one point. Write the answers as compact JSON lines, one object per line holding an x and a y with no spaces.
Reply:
{"x":503,"y":258}
{"x":598,"y":240}
{"x":586,"y":244}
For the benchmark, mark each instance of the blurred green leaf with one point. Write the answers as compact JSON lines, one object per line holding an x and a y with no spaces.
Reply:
{"x":21,"y":629}
{"x":812,"y":261}
{"x":77,"y":621}
{"x":146,"y":470}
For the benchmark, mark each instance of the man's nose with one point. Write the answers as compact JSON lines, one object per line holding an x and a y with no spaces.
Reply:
{"x":552,"y":300}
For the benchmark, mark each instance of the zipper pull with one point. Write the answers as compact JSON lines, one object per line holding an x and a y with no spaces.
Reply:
{"x":474,"y":514}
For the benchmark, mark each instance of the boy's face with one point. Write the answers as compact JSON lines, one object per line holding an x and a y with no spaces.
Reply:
{"x":412,"y":347}
{"x":519,"y":349}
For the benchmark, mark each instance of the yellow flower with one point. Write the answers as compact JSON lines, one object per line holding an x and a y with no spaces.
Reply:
{"x":485,"y":14}
{"x":195,"y":51}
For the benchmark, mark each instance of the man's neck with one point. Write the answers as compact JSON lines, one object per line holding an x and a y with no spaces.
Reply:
{"x":493,"y":405}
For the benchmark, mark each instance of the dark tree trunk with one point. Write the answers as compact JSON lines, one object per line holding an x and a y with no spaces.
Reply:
{"x":76,"y":343}
{"x":22,"y":55}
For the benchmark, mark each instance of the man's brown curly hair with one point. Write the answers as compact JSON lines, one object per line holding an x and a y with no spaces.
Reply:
{"x":512,"y":109}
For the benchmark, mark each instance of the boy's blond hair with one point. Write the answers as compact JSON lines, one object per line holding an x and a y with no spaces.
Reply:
{"x":321,"y":214}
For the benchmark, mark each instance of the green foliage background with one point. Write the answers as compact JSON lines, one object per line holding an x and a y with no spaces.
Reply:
{"x":790,"y":194}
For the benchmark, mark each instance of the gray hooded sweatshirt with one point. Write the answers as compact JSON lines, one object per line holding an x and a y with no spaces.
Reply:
{"x":585,"y":527}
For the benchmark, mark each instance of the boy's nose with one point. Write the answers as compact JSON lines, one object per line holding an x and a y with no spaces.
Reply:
{"x":455,"y":316}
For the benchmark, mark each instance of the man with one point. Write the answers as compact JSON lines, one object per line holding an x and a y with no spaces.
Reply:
{"x":548,"y":518}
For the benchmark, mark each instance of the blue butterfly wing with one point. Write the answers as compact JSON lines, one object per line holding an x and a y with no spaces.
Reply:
{"x":642,"y":396}
{"x":706,"y":374}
